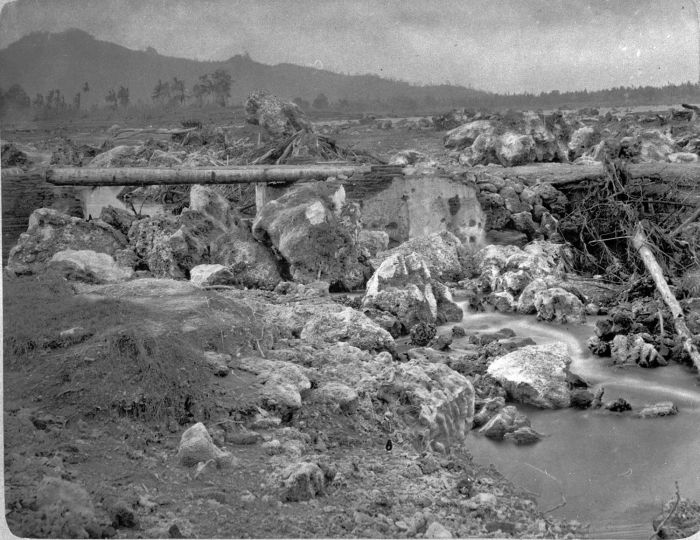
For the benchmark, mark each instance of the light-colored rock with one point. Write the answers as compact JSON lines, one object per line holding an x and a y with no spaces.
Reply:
{"x":582,"y":140}
{"x":502,"y":301}
{"x":634,"y":349}
{"x":655,"y":146}
{"x":447,"y":309}
{"x":50,"y":231}
{"x":482,"y":500}
{"x":206,"y":275}
{"x":466,"y":134}
{"x":196,"y":446}
{"x":277,"y":117}
{"x":90,"y":266}
{"x":441,"y":253}
{"x":505,"y":421}
{"x":409,"y":157}
{"x":513,"y":149}
{"x":209,"y":232}
{"x":373,"y":241}
{"x":349,"y":326}
{"x":336,"y":393}
{"x":556,"y":304}
{"x":523,"y":435}
{"x":442,"y":398}
{"x":282,"y":382}
{"x":535,"y":375}
{"x":401,"y":285}
{"x":437,"y":530}
{"x":302,"y":482}
{"x":314,"y":230}
{"x":663,"y":408}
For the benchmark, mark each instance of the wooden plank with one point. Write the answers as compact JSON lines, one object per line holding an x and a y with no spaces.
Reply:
{"x":135,"y":176}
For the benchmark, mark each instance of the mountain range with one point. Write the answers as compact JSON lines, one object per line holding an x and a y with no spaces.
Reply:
{"x":43,"y":61}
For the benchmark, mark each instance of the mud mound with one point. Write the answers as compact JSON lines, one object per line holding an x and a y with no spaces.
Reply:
{"x":144,"y":356}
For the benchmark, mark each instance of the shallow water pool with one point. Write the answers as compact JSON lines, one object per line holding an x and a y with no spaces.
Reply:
{"x":615,"y":471}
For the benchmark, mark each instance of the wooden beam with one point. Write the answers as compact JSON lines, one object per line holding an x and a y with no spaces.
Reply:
{"x":567,"y":173}
{"x":135,"y":176}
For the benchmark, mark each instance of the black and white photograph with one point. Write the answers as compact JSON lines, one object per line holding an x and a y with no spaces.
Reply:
{"x":406,"y":269}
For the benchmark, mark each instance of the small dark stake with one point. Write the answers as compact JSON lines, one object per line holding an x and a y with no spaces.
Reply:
{"x":389,"y":445}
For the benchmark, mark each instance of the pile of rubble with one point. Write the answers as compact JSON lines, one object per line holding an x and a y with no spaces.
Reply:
{"x":520,"y":138}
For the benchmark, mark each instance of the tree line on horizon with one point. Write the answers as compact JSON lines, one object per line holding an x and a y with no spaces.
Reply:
{"x":214,"y":89}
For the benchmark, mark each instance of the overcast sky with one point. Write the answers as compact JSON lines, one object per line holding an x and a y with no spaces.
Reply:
{"x":498,"y":45}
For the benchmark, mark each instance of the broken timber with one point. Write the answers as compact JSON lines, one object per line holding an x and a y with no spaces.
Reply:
{"x":640,"y":243}
{"x":567,"y":173}
{"x":550,"y":173}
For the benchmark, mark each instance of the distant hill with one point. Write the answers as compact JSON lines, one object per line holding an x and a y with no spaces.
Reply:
{"x":65,"y":61}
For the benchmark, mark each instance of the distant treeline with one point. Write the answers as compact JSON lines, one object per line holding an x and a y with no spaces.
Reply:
{"x":214,"y":89}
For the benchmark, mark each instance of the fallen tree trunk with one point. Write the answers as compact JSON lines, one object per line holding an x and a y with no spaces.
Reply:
{"x":135,"y":176}
{"x":567,"y":173}
{"x":639,"y":241}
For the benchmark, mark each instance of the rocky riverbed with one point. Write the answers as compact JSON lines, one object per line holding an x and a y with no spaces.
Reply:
{"x":202,"y":372}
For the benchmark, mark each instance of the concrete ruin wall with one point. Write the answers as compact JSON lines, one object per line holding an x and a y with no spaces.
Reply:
{"x":409,"y":207}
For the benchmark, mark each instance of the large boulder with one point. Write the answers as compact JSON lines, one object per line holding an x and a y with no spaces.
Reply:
{"x":153,"y":240}
{"x":402,"y":286}
{"x":465,"y":135}
{"x":208,"y":232}
{"x":302,"y":481}
{"x":90,"y":266}
{"x":373,"y":241}
{"x":442,"y":398}
{"x":582,"y":141}
{"x":513,"y":149}
{"x":633,"y":349}
{"x":556,"y":304}
{"x":277,"y":117}
{"x":49,"y":232}
{"x":655,"y":146}
{"x":549,"y":136}
{"x":482,"y":151}
{"x":535,"y":375}
{"x":447,"y":309}
{"x":208,"y":275}
{"x":347,"y":326}
{"x":509,"y":268}
{"x":314,"y":231}
{"x":281,"y":383}
{"x":196,"y":446}
{"x":441,"y":251}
